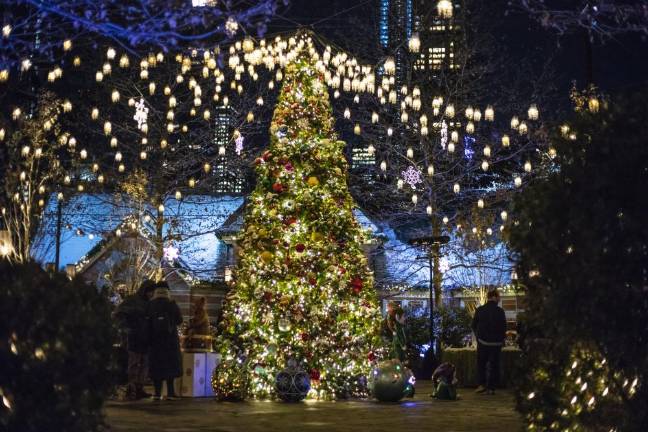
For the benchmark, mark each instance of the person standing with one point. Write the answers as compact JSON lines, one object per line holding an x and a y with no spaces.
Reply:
{"x":165,"y":362}
{"x":131,"y":314}
{"x":489,"y":325}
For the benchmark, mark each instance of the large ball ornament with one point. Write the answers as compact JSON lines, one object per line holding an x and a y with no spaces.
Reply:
{"x":293,"y":383}
{"x":230,"y":381}
{"x":389,"y":381}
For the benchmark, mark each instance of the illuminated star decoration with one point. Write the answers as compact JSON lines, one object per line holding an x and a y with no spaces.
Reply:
{"x":141,"y":114}
{"x":412,"y":176}
{"x":239,"y":144}
{"x":171,"y":253}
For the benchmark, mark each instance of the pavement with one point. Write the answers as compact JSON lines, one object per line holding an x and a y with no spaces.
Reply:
{"x":472,"y":413}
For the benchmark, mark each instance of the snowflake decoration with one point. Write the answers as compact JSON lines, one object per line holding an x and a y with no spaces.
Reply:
{"x":171,"y":253}
{"x":239,"y":144}
{"x":231,"y":27}
{"x":412,"y":176}
{"x":444,"y":135}
{"x":141,"y":114}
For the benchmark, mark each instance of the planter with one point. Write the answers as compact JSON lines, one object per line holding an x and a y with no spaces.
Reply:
{"x":465,"y":360}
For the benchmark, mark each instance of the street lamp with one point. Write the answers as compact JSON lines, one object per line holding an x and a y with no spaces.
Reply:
{"x":431,"y":245}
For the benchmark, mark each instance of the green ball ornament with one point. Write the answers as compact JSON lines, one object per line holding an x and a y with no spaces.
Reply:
{"x":389,"y":381}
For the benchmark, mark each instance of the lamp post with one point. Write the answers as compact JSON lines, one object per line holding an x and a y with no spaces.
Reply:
{"x":431,"y":244}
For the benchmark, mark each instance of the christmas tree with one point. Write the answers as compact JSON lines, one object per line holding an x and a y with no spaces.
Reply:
{"x":303,"y":290}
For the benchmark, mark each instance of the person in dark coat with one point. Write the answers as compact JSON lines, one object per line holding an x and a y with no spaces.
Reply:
{"x":131,"y":314}
{"x":165,"y":362}
{"x":489,"y":325}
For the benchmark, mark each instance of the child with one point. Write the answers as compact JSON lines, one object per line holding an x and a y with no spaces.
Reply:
{"x":444,"y":382}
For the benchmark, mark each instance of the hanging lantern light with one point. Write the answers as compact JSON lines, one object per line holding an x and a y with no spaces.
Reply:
{"x":100,"y":178}
{"x":430,"y":170}
{"x":456,"y":188}
{"x":593,"y":104}
{"x":428,"y":210}
{"x":374,"y":117}
{"x":414,"y":199}
{"x":470,"y":127}
{"x":484,"y":165}
{"x":533,"y":112}
{"x":527,"y":166}
{"x":83,"y":154}
{"x":518,"y":181}
{"x":123,"y":61}
{"x":487,"y":151}
{"x":118,"y":157}
{"x":445,"y":9}
{"x":113,"y":142}
{"x":506,"y":141}
{"x":390,"y":66}
{"x":143,"y":155}
{"x":178,"y":195}
{"x":356,"y":129}
{"x":371,"y":149}
{"x":480,"y":203}
{"x":523,"y":129}
{"x":107,"y":128}
{"x":515,"y":122}
{"x":451,"y":148}
{"x":489,"y":114}
{"x":399,"y":184}
{"x":410,"y":152}
{"x":414,"y":43}
{"x":450,"y":111}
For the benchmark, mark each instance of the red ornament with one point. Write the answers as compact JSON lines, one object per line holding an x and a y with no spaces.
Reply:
{"x":305,"y":336}
{"x":315,"y":374}
{"x":277,"y":187}
{"x":312,"y":281}
{"x":300,"y":248}
{"x":356,"y":285}
{"x":371,"y":356}
{"x":266,"y":155}
{"x":288,"y":166}
{"x":267,"y":296}
{"x":258,"y":161}
{"x":342,"y":270}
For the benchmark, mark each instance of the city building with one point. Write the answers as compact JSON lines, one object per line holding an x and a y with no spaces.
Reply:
{"x":229,"y":175}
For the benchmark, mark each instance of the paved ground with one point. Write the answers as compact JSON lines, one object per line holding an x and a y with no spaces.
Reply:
{"x":473,"y":413}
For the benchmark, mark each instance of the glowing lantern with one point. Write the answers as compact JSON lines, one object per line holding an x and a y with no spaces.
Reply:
{"x":414,"y":43}
{"x":445,"y":9}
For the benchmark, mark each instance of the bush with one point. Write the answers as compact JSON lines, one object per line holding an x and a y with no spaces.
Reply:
{"x":581,"y":241}
{"x":452,"y":325}
{"x":55,"y":351}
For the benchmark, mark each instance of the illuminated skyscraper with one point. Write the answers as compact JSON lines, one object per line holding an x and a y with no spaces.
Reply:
{"x":441,"y":39}
{"x":230,"y":178}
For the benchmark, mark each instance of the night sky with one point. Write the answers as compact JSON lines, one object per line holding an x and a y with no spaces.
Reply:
{"x":618,"y":63}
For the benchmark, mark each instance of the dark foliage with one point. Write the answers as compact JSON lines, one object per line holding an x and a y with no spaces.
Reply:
{"x":55,"y":351}
{"x":581,"y":240}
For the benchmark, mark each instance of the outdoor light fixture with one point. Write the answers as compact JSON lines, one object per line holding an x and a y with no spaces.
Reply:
{"x":445,"y":9}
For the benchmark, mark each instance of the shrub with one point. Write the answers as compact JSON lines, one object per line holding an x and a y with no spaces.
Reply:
{"x":55,"y":351}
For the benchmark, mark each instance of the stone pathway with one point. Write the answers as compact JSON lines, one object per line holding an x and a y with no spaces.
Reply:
{"x":473,"y":413}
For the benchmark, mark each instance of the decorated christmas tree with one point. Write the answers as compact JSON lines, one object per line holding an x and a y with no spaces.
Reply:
{"x":303,"y":291}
